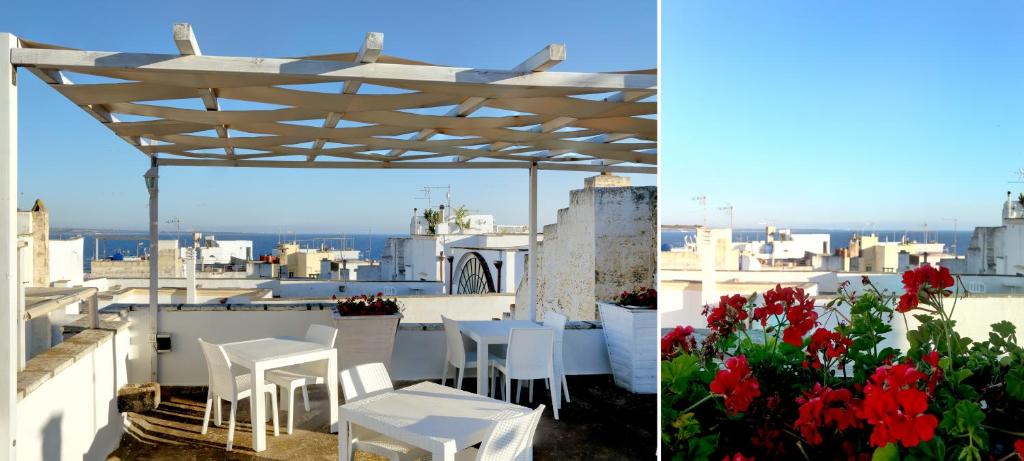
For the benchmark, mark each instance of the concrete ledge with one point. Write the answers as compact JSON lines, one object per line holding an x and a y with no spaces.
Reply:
{"x":48,"y":364}
{"x":575,"y":325}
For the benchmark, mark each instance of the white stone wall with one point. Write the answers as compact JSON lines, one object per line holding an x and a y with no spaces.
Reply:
{"x":74,"y":414}
{"x":602,"y":244}
{"x":66,"y":261}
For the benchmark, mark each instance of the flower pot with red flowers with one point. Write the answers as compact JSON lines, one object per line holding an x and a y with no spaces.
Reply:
{"x":767,"y":380}
{"x":366,"y":329}
{"x":630,"y":325}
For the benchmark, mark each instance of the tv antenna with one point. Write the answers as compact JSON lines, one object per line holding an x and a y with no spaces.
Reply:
{"x":1020,"y":177}
{"x":728,"y":208}
{"x":703,"y":201}
{"x":177,"y":225}
{"x":426,"y":190}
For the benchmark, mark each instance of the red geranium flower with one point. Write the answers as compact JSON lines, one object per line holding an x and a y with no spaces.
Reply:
{"x":679,"y":339}
{"x":737,"y":384}
{"x":921,"y":284}
{"x":798,"y":308}
{"x":727,"y":315}
{"x":895,"y":407}
{"x":832,"y":344}
{"x":775,"y":302}
{"x":1018,"y":447}
{"x":823,"y":407}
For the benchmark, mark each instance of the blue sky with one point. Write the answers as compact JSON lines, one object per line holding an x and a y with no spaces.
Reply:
{"x":90,"y":178}
{"x":837,"y":114}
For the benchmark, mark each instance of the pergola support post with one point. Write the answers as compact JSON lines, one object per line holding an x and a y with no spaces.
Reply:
{"x":533,"y":244}
{"x":9,"y":288}
{"x":152,"y":184}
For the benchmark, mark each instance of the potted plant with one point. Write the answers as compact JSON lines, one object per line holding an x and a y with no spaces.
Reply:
{"x":630,"y":324}
{"x":807,"y":391}
{"x":366,"y":329}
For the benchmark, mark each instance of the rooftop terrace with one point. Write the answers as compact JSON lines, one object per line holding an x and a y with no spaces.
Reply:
{"x":602,"y":422}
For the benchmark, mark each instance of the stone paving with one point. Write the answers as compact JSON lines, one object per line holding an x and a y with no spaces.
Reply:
{"x":601,"y":422}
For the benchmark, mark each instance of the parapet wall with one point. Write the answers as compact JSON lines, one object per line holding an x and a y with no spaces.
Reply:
{"x":602,"y":244}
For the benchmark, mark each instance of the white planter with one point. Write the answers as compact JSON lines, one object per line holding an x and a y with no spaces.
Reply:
{"x":631,"y":335}
{"x":365,"y":339}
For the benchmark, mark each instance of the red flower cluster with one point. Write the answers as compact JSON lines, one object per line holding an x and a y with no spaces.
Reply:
{"x":775,"y":303}
{"x":737,"y":384}
{"x":727,"y":315}
{"x":642,"y":297}
{"x":799,"y":310}
{"x":823,"y":407}
{"x":895,"y":406}
{"x":921,"y":284}
{"x":368,"y":305}
{"x":832,"y":344}
{"x":1018,"y":447}
{"x":678,"y":340}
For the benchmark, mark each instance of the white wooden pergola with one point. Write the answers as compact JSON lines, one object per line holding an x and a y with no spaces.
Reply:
{"x":411,"y":115}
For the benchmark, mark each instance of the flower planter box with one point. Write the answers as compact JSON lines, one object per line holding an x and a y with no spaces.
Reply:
{"x":365,"y":339}
{"x":631,"y":334}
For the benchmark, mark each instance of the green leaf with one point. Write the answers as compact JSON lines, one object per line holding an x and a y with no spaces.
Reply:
{"x":1015,"y":383}
{"x":889,"y":452}
{"x":1006,"y":330}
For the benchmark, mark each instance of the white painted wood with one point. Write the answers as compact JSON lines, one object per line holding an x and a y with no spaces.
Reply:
{"x":581,"y":166}
{"x":545,"y":59}
{"x":260,"y":355}
{"x":9,"y":289}
{"x":532,"y":252}
{"x":185,"y":39}
{"x":187,"y":69}
{"x":154,"y":273}
{"x":542,"y":98}
{"x":436,"y":418}
{"x":632,"y":339}
{"x":373,"y":43}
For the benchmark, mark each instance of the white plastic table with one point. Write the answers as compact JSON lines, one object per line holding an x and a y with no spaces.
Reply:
{"x":488,"y":332}
{"x":260,"y":355}
{"x":436,"y":418}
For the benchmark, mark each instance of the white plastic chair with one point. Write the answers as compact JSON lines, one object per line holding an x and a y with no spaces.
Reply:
{"x":456,"y":355}
{"x":302,"y":375}
{"x":557,"y":321}
{"x":225,"y":384}
{"x":530,"y":356}
{"x":360,"y":382}
{"x":508,"y":439}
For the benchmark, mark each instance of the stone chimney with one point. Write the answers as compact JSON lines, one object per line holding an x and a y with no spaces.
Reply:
{"x":606,"y":180}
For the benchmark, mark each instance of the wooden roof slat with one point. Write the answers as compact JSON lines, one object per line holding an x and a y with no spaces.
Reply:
{"x":545,"y":59}
{"x":551,"y":125}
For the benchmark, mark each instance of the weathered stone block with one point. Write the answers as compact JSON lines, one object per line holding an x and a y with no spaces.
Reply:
{"x":138,"y":398}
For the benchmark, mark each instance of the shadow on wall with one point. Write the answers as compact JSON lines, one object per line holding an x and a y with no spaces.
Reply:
{"x":52,"y":438}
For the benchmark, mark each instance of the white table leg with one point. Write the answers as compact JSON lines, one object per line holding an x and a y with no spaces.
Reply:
{"x":482,"y":362}
{"x":344,"y":449}
{"x":332,"y":388}
{"x":258,"y":404}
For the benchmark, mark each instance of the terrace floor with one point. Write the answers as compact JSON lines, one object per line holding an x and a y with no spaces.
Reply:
{"x":602,"y":422}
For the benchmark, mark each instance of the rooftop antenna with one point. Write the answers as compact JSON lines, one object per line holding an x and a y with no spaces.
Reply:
{"x":703,"y":201}
{"x":177,"y":226}
{"x":1020,"y":177}
{"x":729,"y":209}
